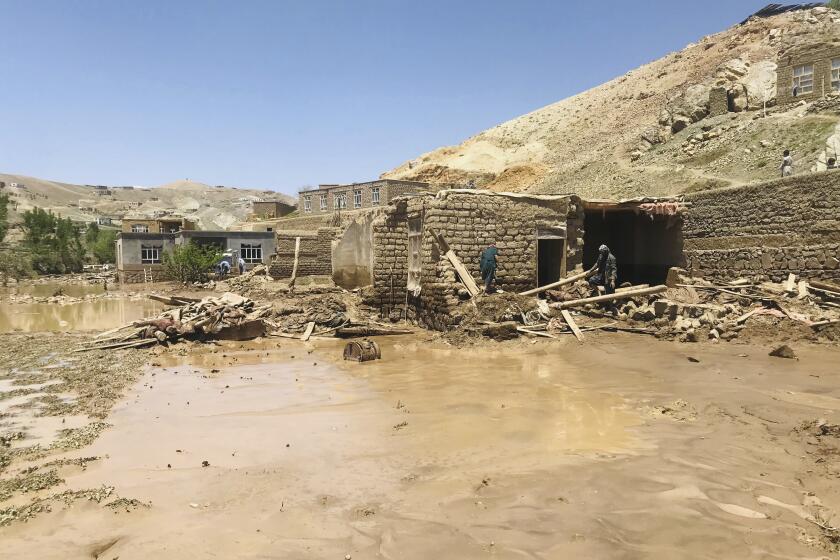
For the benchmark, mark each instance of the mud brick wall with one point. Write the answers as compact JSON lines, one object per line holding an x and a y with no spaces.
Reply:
{"x":769,"y":229}
{"x":390,"y":258}
{"x":718,"y":102}
{"x":314,"y":257}
{"x":469,"y":222}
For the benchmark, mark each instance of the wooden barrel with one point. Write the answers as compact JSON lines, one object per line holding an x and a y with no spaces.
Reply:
{"x":362,"y":351}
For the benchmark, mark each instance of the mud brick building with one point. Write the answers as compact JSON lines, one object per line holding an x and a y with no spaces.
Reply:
{"x":770,"y":229}
{"x":270,"y":209}
{"x":410,"y":270}
{"x":808,"y":73}
{"x":357,"y":196}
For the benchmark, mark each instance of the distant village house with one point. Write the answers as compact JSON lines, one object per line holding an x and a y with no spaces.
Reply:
{"x":356,"y":196}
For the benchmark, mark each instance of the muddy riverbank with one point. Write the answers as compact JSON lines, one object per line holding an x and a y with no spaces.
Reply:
{"x":615,"y":449}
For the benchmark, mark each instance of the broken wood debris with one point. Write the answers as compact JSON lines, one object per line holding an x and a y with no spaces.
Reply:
{"x":229,"y":316}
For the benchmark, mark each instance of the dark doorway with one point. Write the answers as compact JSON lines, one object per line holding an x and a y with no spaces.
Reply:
{"x":549,"y":260}
{"x":645,"y":246}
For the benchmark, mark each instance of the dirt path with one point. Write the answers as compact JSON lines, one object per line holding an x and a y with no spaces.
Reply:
{"x":609,"y":450}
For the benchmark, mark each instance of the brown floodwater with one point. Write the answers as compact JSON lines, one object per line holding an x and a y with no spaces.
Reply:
{"x":553,"y":450}
{"x":90,"y":315}
{"x":48,"y":289}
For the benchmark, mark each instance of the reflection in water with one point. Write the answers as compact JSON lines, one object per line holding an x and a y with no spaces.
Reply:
{"x":95,"y":315}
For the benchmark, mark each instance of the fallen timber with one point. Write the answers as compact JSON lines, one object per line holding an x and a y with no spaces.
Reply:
{"x":563,"y":282}
{"x":229,"y":317}
{"x":609,"y":297}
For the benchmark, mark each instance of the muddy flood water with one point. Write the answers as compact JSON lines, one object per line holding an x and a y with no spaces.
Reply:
{"x":620,"y":448}
{"x":88,"y":315}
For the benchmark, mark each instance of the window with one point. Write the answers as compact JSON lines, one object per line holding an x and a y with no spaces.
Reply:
{"x":357,"y":199}
{"x":139,"y":228}
{"x":323,"y":202}
{"x":251,"y":254}
{"x":374,"y":195}
{"x":803,"y":79}
{"x":307,"y":203}
{"x":150,"y":254}
{"x":340,"y":200}
{"x":835,"y":74}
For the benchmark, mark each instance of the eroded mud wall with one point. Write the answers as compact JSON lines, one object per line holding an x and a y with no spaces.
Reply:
{"x":769,"y":229}
{"x":352,"y":254}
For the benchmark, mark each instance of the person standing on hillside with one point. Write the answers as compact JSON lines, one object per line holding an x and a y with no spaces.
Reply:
{"x":605,"y":270}
{"x":241,"y":264}
{"x":488,"y":266}
{"x":787,"y":164}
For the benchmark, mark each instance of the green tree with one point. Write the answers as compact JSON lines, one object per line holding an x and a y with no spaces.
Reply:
{"x":190,"y":262}
{"x":834,"y":4}
{"x":55,"y":244}
{"x":104,"y":247}
{"x":4,"y":216}
{"x":15,"y":265}
{"x":92,"y":234}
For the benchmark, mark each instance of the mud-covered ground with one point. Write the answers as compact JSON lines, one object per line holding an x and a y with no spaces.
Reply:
{"x":622,"y":447}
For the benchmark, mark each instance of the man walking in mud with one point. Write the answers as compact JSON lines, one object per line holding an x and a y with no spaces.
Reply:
{"x":606,"y":270}
{"x":487,"y":266}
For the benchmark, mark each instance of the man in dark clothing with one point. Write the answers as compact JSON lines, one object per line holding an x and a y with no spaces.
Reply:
{"x":488,"y":266}
{"x":606,"y":270}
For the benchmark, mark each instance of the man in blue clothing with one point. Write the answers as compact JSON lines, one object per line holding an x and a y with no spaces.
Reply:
{"x":488,"y":266}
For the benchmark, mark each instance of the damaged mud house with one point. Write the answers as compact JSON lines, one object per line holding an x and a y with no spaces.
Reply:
{"x":769,"y":229}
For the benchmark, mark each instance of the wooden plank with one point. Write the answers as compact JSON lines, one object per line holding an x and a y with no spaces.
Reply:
{"x":563,"y":270}
{"x":463,"y":273}
{"x":629,"y":288}
{"x":609,"y":297}
{"x":295,"y":266}
{"x":535,"y":333}
{"x":572,"y":325}
{"x":563,"y":282}
{"x":308,"y":332}
{"x":790,"y":285}
{"x":802,"y":289}
{"x":747,"y":315}
{"x":466,"y":278}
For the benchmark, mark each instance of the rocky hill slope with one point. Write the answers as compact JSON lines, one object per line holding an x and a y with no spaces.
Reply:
{"x":648,"y":132}
{"x":211,"y":207}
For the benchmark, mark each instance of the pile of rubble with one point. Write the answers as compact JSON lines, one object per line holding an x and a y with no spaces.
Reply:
{"x":231,"y":317}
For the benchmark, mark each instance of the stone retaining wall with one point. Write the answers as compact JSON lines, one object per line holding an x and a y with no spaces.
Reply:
{"x":767,"y":229}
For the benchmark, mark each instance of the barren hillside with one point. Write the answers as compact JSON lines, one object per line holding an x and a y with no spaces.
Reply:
{"x":648,"y":132}
{"x":211,"y":207}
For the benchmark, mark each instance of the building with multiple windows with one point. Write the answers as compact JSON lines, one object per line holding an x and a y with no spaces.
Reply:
{"x":808,"y":73}
{"x":158,"y":225}
{"x":356,"y":196}
{"x":140,"y":253}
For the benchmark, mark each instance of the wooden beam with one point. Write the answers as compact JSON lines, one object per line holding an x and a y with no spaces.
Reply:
{"x":295,"y":266}
{"x":609,"y":297}
{"x":308,"y":332}
{"x":826,"y":286}
{"x":572,"y":325}
{"x":466,"y":278}
{"x":563,"y":282}
{"x":790,"y":285}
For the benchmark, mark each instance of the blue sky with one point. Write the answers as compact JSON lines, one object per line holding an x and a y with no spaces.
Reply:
{"x":273,"y":94}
